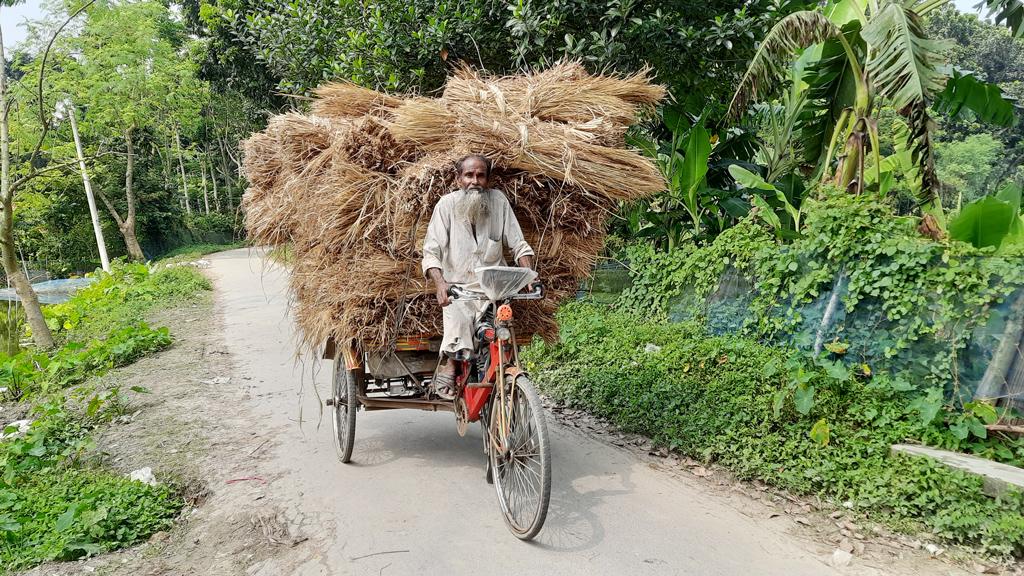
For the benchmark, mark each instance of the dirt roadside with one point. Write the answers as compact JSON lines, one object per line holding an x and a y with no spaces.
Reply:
{"x":193,"y":429}
{"x":204,"y":426}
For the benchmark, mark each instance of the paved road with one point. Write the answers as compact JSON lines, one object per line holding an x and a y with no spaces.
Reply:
{"x":414,"y":500}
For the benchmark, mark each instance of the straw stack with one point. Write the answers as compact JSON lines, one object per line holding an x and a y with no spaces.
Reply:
{"x":351,"y":187}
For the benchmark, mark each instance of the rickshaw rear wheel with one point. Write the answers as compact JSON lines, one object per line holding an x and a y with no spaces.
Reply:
{"x":344,"y":404}
{"x":489,"y":473}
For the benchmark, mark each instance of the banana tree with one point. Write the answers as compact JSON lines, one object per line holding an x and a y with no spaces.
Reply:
{"x":866,"y":53}
{"x":701,"y":200}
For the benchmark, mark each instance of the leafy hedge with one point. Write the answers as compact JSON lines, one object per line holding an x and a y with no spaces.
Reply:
{"x":718,"y":399}
{"x":911,"y":304}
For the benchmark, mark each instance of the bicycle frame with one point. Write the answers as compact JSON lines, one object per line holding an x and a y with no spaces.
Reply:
{"x":504,"y":361}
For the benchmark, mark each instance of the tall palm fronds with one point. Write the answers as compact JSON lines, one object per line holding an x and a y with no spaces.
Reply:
{"x":771,"y":62}
{"x":866,"y":52}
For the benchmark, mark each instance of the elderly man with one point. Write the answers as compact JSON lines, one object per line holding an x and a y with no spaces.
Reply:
{"x":469,"y":229}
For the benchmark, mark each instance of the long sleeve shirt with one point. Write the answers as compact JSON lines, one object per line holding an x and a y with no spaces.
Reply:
{"x":451,"y":245}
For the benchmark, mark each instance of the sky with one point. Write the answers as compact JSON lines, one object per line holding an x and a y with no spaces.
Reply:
{"x":12,"y":18}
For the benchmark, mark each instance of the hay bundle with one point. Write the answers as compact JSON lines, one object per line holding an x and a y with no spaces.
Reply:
{"x":352,"y":187}
{"x":347,"y":100}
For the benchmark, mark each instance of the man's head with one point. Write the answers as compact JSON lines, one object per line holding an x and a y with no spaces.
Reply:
{"x":473,"y":172}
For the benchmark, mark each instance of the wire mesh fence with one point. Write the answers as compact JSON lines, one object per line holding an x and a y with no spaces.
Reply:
{"x":980,"y":357}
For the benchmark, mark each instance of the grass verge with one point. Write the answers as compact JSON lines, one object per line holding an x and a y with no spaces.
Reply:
{"x":193,"y":251}
{"x":732,"y":401}
{"x":54,"y":505}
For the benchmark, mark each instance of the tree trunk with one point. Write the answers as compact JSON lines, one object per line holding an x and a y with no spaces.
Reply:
{"x":226,"y":171}
{"x":181,"y":165}
{"x":206,"y":195}
{"x":22,"y":287}
{"x":131,"y":242}
{"x":213,"y":178}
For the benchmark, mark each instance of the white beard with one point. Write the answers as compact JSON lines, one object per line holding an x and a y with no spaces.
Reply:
{"x":474,"y":207}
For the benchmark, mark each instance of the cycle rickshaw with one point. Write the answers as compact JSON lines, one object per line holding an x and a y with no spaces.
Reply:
{"x":491,"y":388}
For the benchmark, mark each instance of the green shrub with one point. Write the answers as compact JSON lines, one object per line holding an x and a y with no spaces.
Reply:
{"x":809,"y":427}
{"x":29,"y":372}
{"x":122,"y":298}
{"x":66,"y":514}
{"x":52,"y":509}
{"x":203,"y":225}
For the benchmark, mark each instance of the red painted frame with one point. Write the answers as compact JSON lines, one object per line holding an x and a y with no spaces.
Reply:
{"x":476,"y":398}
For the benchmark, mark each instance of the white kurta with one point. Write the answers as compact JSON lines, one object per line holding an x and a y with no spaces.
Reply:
{"x":451,"y":246}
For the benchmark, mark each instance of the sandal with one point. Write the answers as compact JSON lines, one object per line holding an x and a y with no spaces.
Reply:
{"x":444,"y":386}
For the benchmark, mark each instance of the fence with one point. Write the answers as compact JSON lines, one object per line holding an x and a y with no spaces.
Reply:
{"x":980,"y":361}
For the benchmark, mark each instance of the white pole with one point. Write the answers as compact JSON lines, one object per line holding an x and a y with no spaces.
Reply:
{"x":104,"y":261}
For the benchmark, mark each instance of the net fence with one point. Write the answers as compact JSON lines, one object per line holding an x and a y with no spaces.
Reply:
{"x":980,"y":357}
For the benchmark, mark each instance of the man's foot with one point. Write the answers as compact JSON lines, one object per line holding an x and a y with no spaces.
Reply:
{"x":444,"y":383}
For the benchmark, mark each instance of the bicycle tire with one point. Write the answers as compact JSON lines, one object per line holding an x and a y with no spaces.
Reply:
{"x":344,"y":406}
{"x":523,"y":496}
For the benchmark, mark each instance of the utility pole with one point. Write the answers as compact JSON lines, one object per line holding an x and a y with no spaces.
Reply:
{"x":96,"y":228}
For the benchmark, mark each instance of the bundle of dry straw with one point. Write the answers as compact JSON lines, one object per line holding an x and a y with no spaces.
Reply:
{"x":351,"y":187}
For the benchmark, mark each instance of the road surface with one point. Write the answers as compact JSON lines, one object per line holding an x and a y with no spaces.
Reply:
{"x":414,"y":500}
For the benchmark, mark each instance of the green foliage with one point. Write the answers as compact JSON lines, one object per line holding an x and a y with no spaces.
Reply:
{"x":839,"y":46}
{"x":50,"y":508}
{"x":101,"y":327}
{"x":194,"y":251}
{"x":68,"y":514}
{"x":661,"y":276}
{"x":390,"y":45}
{"x":701,"y":198}
{"x":29,"y":372}
{"x":718,"y":399}
{"x":757,"y":186}
{"x":985,"y":100}
{"x":924,"y":297}
{"x":406,"y":45}
{"x":122,"y":298}
{"x":212,"y":224}
{"x":965,"y":167}
{"x":991,"y":221}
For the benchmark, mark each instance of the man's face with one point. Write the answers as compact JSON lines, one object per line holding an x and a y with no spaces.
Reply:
{"x":474,"y":175}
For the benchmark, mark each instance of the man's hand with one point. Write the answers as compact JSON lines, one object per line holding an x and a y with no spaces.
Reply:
{"x":442,"y":294}
{"x":441,"y":285}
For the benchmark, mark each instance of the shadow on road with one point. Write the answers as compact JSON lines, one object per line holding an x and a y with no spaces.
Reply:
{"x":572,"y":524}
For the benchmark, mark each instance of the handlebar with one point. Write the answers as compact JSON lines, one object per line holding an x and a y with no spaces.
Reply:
{"x":460,"y":293}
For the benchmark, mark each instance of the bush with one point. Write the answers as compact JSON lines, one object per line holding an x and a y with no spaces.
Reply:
{"x":50,"y":509}
{"x":122,"y":298}
{"x":808,"y":427}
{"x":910,"y":304}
